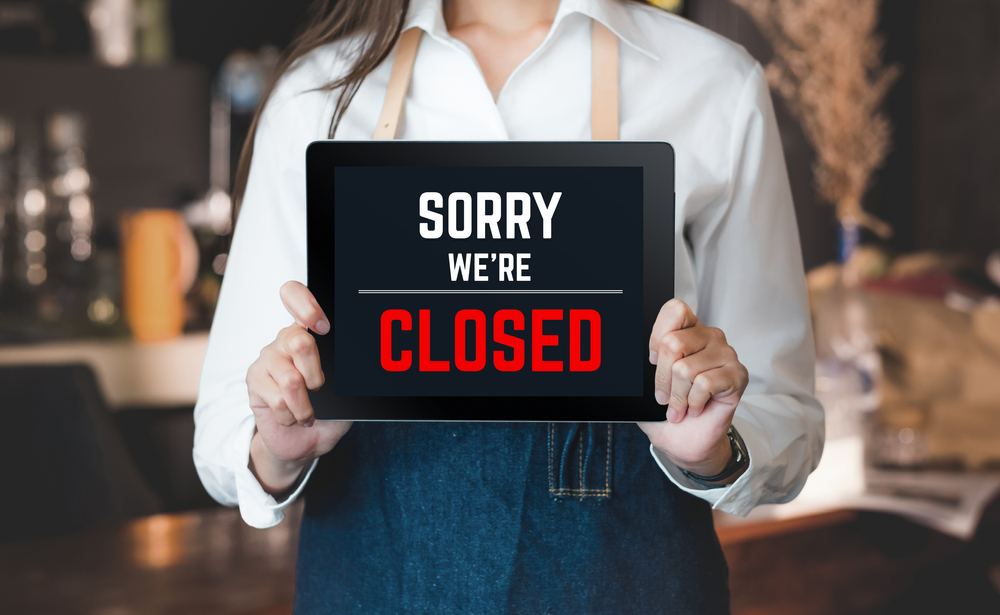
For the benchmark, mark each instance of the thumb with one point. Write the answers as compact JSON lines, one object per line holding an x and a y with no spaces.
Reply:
{"x":303,"y":307}
{"x":677,"y":315}
{"x":673,"y":316}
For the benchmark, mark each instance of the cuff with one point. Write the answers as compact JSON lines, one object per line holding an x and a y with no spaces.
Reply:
{"x":734,"y":499}
{"x":257,"y":507}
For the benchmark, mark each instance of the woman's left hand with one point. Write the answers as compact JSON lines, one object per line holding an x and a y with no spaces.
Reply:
{"x":700,"y":381}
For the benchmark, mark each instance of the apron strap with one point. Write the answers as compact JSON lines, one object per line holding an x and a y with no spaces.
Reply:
{"x":604,"y":83}
{"x":399,"y":82}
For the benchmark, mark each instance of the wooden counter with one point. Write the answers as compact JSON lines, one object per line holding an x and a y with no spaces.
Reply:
{"x":210,"y":562}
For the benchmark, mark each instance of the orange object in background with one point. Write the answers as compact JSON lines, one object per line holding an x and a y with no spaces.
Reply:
{"x":159,"y":264}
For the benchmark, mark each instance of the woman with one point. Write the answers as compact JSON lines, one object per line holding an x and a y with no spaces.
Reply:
{"x":447,"y":517}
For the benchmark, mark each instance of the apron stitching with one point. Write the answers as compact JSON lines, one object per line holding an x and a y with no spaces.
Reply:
{"x":551,"y":435}
{"x":607,"y":464}
{"x":568,"y":490}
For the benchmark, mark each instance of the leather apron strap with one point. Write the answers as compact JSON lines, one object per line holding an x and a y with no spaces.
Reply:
{"x":399,"y":82}
{"x":604,"y":83}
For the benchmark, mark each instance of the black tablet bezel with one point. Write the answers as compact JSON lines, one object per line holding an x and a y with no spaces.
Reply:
{"x":657,"y":161}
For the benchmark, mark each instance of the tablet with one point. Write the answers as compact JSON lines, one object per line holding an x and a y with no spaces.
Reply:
{"x":489,"y":281}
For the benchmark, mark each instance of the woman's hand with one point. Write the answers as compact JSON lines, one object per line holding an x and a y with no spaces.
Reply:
{"x":700,"y":380}
{"x":288,"y":437}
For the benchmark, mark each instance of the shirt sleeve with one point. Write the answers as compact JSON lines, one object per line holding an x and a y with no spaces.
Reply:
{"x":751,"y":284}
{"x":268,"y":249}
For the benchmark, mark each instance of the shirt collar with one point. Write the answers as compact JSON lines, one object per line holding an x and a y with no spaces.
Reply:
{"x":427,"y":15}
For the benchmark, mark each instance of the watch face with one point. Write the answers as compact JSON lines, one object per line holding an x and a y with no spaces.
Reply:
{"x":737,"y":442}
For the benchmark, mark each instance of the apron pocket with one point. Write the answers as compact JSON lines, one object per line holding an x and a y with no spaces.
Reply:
{"x":580,"y":460}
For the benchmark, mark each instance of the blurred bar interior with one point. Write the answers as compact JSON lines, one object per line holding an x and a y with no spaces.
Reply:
{"x":120,"y":123}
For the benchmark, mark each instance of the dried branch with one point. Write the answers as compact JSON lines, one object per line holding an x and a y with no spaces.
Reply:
{"x":828,"y":68}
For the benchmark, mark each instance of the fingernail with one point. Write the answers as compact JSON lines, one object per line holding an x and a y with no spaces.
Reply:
{"x":322,"y":327}
{"x":652,"y":357}
{"x":661,"y":398}
{"x":671,"y":416}
{"x":309,"y":423}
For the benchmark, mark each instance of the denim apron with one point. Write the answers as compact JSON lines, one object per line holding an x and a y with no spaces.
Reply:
{"x":504,"y":517}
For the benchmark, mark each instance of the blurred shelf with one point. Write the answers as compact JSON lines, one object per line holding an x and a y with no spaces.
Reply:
{"x":131,"y":374}
{"x":19,"y":330}
{"x":147,"y":127}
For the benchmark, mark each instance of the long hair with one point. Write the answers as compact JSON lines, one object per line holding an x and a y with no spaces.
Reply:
{"x":378,"y":24}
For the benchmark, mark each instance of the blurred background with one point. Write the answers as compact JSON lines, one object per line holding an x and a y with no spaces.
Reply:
{"x":120,"y":125}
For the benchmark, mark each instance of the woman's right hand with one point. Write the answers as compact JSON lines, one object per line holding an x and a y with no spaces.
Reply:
{"x":288,"y":437}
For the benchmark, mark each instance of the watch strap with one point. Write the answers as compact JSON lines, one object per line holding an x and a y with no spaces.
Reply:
{"x":739,"y":460}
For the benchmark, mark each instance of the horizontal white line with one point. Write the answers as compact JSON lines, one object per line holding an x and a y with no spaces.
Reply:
{"x":489,"y":292}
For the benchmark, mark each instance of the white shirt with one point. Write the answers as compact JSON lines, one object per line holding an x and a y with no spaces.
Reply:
{"x":738,"y":262}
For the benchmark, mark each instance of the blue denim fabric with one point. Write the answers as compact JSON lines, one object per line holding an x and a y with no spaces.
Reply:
{"x":503,"y":518}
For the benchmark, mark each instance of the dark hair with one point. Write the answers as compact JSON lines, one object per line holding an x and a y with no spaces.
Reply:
{"x":379,"y":24}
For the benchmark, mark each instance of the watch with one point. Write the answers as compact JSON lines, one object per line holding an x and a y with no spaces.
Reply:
{"x":739,"y":460}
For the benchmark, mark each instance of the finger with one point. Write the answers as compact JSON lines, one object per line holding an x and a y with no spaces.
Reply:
{"x":673,"y":316}
{"x":720,"y":382}
{"x":301,"y":304}
{"x":674,"y":346}
{"x":298,"y":345}
{"x":293,"y":390}
{"x":266,"y":397}
{"x":685,"y":373}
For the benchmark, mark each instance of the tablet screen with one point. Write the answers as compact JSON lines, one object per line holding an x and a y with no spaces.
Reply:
{"x":487,"y":281}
